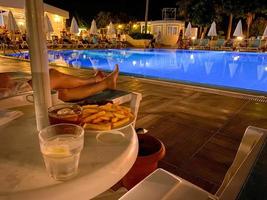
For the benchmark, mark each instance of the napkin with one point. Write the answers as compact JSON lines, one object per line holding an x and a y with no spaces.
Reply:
{"x":9,"y":115}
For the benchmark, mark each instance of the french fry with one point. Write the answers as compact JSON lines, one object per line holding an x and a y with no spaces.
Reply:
{"x":121,"y":112}
{"x":94,"y":116}
{"x":88,"y":112}
{"x":114,"y":119}
{"x":121,"y":122}
{"x":105,"y":118}
{"x":120,"y":116}
{"x":108,"y":106}
{"x":100,"y":127}
{"x":97,"y":120}
{"x":109,"y":114}
{"x":90,"y":106}
{"x":130,"y":115}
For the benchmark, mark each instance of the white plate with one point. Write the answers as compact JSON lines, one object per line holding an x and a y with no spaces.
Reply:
{"x":114,"y":129}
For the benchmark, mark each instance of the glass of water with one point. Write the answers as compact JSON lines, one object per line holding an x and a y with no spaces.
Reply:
{"x":61,"y":145}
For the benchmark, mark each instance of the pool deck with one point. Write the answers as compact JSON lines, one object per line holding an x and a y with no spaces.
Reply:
{"x":201,"y":130}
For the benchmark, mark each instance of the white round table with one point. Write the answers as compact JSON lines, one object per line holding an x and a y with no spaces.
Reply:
{"x":23,"y":173}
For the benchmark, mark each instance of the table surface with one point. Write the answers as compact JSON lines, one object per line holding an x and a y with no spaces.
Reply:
{"x":23,"y":175}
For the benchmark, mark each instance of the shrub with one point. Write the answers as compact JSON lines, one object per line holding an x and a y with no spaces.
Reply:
{"x":257,"y":27}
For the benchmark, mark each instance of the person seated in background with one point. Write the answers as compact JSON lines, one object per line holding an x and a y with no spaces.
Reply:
{"x":180,"y":42}
{"x":230,"y":44}
{"x":66,"y":39}
{"x":152,"y":43}
{"x":69,"y":87}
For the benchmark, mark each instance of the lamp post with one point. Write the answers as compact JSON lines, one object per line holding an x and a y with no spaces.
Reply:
{"x":146,"y":15}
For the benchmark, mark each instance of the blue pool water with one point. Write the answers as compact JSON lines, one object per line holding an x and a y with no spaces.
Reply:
{"x":229,"y":70}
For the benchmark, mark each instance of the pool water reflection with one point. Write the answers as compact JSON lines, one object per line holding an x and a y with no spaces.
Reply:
{"x":233,"y":70}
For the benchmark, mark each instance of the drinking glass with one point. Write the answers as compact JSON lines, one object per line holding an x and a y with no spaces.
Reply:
{"x":61,"y":145}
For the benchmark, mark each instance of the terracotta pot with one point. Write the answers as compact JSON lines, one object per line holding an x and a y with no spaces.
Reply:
{"x":151,"y":150}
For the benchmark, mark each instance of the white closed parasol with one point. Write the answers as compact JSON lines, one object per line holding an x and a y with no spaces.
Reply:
{"x":265,"y":32}
{"x":11,"y":23}
{"x":48,"y":26}
{"x":212,"y":32}
{"x":238,"y":30}
{"x":74,"y":29}
{"x":111,"y":29}
{"x":93,"y":28}
{"x":188,"y":31}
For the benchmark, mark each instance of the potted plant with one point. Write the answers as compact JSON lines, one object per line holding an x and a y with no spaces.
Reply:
{"x":151,"y":150}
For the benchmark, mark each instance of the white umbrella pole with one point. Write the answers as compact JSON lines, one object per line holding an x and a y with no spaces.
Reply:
{"x":39,"y":60}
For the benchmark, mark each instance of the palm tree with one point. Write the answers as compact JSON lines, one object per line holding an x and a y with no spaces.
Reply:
{"x":146,"y":15}
{"x":230,"y":8}
{"x":250,"y":9}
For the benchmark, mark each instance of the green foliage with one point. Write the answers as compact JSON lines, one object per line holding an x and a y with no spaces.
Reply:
{"x":200,"y":13}
{"x":258,"y":27}
{"x":103,"y":18}
{"x":141,"y":36}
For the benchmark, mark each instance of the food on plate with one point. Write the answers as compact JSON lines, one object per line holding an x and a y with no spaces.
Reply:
{"x":106,"y":117}
{"x":121,"y":122}
{"x":65,"y":113}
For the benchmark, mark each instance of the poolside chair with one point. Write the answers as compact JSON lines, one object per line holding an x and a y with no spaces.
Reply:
{"x":217,"y":45}
{"x":194,"y":44}
{"x":264,"y":45}
{"x":228,"y":45}
{"x":163,"y":185}
{"x":80,"y":43}
{"x":24,"y":44}
{"x":203,"y":44}
{"x":253,"y":45}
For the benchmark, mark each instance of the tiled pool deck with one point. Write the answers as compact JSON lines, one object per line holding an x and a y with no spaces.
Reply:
{"x":201,"y":130}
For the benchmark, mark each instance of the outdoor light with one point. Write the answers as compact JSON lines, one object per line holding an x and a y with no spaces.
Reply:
{"x":20,"y":23}
{"x":57,"y":18}
{"x":135,"y":26}
{"x":239,"y":38}
{"x":119,"y":26}
{"x":193,"y":38}
{"x":236,"y":58}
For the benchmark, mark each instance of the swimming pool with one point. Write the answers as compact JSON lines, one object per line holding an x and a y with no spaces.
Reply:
{"x":228,"y":70}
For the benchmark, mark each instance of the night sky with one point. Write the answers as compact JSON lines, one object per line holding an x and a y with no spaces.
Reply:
{"x":87,"y":9}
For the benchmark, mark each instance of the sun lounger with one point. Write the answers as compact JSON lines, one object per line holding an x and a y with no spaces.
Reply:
{"x":217,"y":45}
{"x":194,"y":44}
{"x":80,"y":43}
{"x":165,"y":185}
{"x":203,"y":44}
{"x":264,"y":45}
{"x":253,"y":45}
{"x":228,"y":45}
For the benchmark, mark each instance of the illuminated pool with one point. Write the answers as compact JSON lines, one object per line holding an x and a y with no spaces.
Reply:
{"x":228,"y":70}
